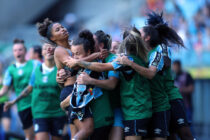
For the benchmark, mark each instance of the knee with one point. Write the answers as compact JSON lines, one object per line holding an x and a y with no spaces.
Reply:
{"x":90,"y":130}
{"x":186,"y":134}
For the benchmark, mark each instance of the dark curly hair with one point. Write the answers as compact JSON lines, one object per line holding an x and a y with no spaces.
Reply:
{"x":44,"y":29}
{"x":85,"y":37}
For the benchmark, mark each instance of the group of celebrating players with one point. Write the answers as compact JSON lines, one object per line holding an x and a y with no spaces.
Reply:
{"x":107,"y":90}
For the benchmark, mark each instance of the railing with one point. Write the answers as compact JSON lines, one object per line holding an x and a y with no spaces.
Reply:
{"x":201,"y":114}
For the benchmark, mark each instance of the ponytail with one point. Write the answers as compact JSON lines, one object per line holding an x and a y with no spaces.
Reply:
{"x":133,"y":44}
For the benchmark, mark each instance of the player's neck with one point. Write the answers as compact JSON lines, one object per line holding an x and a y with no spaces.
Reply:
{"x":21,"y":61}
{"x":49,"y":63}
{"x":64,"y":43}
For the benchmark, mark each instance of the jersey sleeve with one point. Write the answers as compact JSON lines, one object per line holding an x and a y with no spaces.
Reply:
{"x":113,"y":73}
{"x":7,"y":81}
{"x":118,"y":66}
{"x":156,"y":60}
{"x":32,"y":79}
{"x":35,"y":65}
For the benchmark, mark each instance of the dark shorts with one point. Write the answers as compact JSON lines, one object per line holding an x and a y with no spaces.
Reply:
{"x":136,"y":127}
{"x":3,"y":114}
{"x":101,"y":133}
{"x":159,"y":125}
{"x":26,"y":118}
{"x":88,"y":114}
{"x":54,"y":126}
{"x":178,"y":115}
{"x":66,"y":91}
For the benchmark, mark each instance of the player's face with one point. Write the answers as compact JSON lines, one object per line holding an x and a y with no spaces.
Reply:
{"x":46,"y":53}
{"x":114,"y":48}
{"x":59,"y":32}
{"x":19,"y":52}
{"x":78,"y":51}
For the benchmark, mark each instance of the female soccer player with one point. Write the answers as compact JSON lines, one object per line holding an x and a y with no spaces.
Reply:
{"x":104,"y":41}
{"x":48,"y":117}
{"x":102,"y":121}
{"x":58,"y":35}
{"x":18,"y":76}
{"x":178,"y":122}
{"x":135,"y":98}
{"x":155,"y":37}
{"x":47,"y":114}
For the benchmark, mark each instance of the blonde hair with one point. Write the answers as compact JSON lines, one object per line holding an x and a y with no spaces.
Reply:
{"x":133,"y":44}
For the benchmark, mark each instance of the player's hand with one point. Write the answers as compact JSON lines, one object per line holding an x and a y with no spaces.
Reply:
{"x":70,"y":62}
{"x":7,"y":105}
{"x":65,"y":103}
{"x":103,"y":54}
{"x":84,"y":79}
{"x":61,"y":76}
{"x":123,"y":60}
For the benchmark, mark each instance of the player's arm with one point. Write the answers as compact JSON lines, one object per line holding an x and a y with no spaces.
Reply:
{"x":108,"y":84}
{"x":23,"y":94}
{"x":146,"y":72}
{"x":7,"y":82}
{"x":103,"y":54}
{"x":154,"y":64}
{"x":63,"y":56}
{"x":65,"y":103}
{"x":94,"y":66}
{"x":4,"y":90}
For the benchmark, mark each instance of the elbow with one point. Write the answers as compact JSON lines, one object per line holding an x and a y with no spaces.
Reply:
{"x":112,"y":86}
{"x":99,"y":69}
{"x":151,"y":76}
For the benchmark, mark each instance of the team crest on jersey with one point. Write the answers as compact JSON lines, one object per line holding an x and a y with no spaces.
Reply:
{"x":45,"y":79}
{"x":20,"y":72}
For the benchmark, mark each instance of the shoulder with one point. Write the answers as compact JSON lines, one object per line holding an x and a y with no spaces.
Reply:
{"x":155,"y":55}
{"x":36,"y":62}
{"x":159,"y":49}
{"x":11,"y":67}
{"x":60,"y":51}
